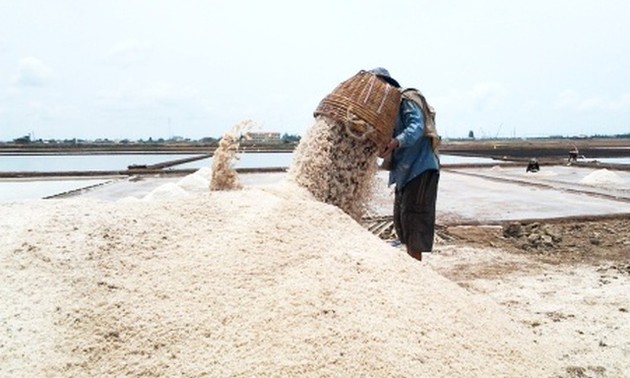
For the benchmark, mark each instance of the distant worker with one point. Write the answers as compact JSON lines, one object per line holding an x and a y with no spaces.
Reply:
{"x":415,"y":170}
{"x":533,"y":166}
{"x":573,"y":154}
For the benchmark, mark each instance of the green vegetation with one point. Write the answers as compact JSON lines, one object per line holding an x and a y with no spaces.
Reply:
{"x":26,"y":140}
{"x":174,"y":144}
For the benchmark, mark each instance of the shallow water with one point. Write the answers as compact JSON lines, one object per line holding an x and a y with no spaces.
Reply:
{"x":12,"y":190}
{"x":18,"y":190}
{"x":60,"y":163}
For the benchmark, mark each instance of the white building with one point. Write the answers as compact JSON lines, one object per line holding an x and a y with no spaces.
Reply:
{"x":263,"y":137}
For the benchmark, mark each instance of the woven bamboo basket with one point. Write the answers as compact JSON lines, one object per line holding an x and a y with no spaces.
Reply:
{"x":366,"y":105}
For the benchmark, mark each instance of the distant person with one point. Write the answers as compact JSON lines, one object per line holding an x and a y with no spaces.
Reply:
{"x":415,"y":170}
{"x":573,"y":155}
{"x":533,"y":166}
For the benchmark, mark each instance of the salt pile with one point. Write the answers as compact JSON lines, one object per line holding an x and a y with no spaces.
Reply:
{"x":602,"y":177}
{"x":264,"y":281}
{"x":166,"y":191}
{"x":196,"y":182}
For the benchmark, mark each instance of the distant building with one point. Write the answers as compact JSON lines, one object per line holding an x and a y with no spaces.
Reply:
{"x":263,"y":137}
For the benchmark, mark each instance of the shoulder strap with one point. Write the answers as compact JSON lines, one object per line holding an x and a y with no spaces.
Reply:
{"x":416,"y":96}
{"x":428,"y":111}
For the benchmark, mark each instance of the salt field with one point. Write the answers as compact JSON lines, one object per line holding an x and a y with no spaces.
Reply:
{"x":158,"y":266}
{"x":22,"y":189}
{"x":111,"y":162}
{"x":465,"y":194}
{"x":475,"y":194}
{"x":200,"y":189}
{"x":157,"y":275}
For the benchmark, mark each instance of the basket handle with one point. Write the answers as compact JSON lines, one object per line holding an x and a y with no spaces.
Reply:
{"x":353,"y":119}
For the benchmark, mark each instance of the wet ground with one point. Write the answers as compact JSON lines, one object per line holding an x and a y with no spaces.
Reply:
{"x":490,"y":195}
{"x":481,"y":195}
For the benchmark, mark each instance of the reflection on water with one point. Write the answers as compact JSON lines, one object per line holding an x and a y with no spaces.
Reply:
{"x":247,"y":160}
{"x":453,"y":159}
{"x":12,"y":190}
{"x":283,"y":159}
{"x":614,"y":160}
{"x":59,"y":163}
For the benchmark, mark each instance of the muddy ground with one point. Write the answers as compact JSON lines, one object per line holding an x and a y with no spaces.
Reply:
{"x":593,"y":242}
{"x":544,"y":149}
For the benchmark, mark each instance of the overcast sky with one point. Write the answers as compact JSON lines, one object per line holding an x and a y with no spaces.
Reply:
{"x":156,"y":68}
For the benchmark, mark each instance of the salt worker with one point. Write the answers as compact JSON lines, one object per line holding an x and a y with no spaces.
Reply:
{"x":573,"y":155}
{"x":533,"y":166}
{"x":415,"y":172}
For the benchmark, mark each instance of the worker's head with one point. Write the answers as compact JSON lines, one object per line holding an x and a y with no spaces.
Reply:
{"x":384,"y":75}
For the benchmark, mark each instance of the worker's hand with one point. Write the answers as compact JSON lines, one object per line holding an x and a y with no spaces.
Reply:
{"x":391,"y":146}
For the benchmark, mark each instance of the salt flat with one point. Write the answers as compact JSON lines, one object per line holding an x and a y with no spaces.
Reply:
{"x":479,"y":195}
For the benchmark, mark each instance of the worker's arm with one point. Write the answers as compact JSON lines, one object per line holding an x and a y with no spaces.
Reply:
{"x":414,"y":130}
{"x":413,"y":119}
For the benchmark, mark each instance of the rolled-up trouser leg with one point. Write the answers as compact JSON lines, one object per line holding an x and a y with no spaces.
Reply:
{"x":414,"y":212}
{"x":397,"y":217}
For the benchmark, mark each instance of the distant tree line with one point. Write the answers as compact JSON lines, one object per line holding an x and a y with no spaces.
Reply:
{"x":211,"y":141}
{"x":26,"y":140}
{"x":471,"y":136}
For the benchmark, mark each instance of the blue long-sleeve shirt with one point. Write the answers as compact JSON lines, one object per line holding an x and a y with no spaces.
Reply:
{"x":414,"y":155}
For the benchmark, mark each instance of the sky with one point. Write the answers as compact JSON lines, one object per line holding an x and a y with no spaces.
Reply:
{"x":139,"y":69}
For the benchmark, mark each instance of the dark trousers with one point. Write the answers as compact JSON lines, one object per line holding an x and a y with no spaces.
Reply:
{"x":414,"y":212}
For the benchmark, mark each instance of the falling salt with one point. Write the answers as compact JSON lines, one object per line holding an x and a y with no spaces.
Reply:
{"x":224,"y":176}
{"x":335,"y":166}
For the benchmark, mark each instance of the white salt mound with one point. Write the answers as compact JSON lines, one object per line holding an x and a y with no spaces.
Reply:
{"x":167,"y":191}
{"x":265,"y":281}
{"x":195,"y":183}
{"x":205,"y":172}
{"x":602,"y":177}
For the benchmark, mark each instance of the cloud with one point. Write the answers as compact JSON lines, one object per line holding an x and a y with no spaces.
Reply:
{"x":129,"y":51}
{"x":482,"y":97}
{"x":32,"y":72}
{"x":43,"y":110}
{"x":572,"y":100}
{"x":135,"y":98}
{"x":621,"y":103}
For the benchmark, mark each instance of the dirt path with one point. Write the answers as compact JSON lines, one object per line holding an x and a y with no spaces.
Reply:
{"x":567,"y":281}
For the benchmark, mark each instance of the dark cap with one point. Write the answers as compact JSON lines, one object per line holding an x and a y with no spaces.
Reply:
{"x":384,"y":74}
